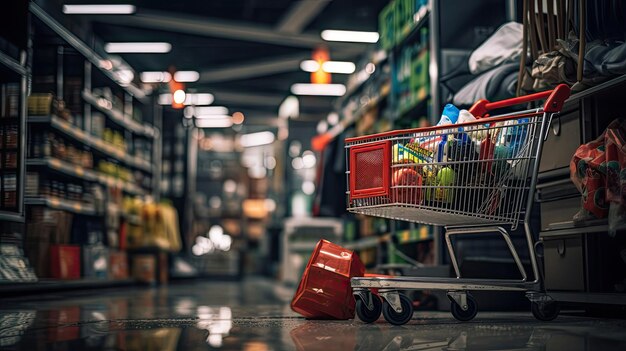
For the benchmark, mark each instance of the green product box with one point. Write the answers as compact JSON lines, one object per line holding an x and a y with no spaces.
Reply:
{"x":386,"y":26}
{"x":419,"y":80}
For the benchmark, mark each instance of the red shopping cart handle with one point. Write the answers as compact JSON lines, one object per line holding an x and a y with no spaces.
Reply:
{"x":554,"y":101}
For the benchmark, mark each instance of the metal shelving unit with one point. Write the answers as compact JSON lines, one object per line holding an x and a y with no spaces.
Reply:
{"x":20,"y":72}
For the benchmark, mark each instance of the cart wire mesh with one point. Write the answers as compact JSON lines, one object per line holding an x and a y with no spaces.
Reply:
{"x":475,"y":173}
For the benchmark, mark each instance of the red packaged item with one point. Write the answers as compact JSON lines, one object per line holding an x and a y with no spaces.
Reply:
{"x":324,"y":291}
{"x":65,"y":261}
{"x":407,"y":183}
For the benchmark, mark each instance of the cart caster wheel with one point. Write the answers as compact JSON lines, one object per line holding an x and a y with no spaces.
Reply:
{"x":365,"y":314}
{"x":464,"y":316}
{"x":545,"y":312}
{"x":399,"y":318}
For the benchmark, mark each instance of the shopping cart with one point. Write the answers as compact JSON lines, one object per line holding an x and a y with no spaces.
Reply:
{"x":476,"y":177}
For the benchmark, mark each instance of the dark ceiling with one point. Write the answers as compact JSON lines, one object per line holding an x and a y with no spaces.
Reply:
{"x":260,"y":42}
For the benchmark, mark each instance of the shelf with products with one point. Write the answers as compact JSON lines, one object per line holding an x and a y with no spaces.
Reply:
{"x":91,"y":141}
{"x":86,"y":174}
{"x":57,"y":203}
{"x":104,"y":105}
{"x":400,"y":20}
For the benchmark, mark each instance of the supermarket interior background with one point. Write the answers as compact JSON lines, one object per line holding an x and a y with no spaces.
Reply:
{"x":168,"y":168}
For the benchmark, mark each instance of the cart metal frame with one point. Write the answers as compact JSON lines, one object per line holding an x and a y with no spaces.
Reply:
{"x":544,"y":307}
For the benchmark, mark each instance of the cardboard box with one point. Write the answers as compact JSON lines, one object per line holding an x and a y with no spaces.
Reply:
{"x":118,"y":265}
{"x":144,"y":268}
{"x":65,"y":262}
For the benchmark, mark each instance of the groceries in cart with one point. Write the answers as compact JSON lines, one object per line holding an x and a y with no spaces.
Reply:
{"x":429,"y":165}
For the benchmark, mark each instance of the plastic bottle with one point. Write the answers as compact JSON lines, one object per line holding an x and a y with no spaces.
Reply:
{"x":449,"y":115}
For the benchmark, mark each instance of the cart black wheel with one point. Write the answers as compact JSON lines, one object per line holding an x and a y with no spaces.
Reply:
{"x":464,"y":316}
{"x":365,"y":314}
{"x":545,"y":312}
{"x":399,"y":318}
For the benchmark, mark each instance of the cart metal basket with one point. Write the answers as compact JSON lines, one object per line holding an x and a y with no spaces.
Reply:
{"x":476,"y":177}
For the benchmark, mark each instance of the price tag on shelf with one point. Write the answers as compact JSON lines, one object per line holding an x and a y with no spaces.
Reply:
{"x":77,"y":206}
{"x":54,"y":202}
{"x":79,"y":171}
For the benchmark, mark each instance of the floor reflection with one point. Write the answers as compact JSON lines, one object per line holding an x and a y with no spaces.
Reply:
{"x":248,"y":316}
{"x":503,"y":335}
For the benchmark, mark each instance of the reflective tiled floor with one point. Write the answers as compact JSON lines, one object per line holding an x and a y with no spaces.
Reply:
{"x":254,"y":316}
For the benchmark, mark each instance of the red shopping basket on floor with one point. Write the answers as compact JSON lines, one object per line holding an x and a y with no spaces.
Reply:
{"x":324,"y":291}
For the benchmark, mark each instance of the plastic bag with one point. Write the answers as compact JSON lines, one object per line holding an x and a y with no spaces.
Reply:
{"x":598,"y":169}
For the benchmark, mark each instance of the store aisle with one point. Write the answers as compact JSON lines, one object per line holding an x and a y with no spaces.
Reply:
{"x":252,"y":315}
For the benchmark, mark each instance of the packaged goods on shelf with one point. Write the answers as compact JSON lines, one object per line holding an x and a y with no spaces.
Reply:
{"x":118,"y":265}
{"x":151,"y":225}
{"x":95,"y":261}
{"x":14,"y":267}
{"x":12,"y":100}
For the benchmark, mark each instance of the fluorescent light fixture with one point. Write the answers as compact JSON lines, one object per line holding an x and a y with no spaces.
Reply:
{"x":318,"y":89}
{"x":209,"y":111}
{"x":338,"y":67}
{"x":99,"y":9}
{"x":138,"y":48}
{"x":155,"y":77}
{"x":256,"y":139}
{"x":341,"y":67}
{"x":309,"y":66}
{"x":350,"y":36}
{"x":186,"y":76}
{"x":179,"y":96}
{"x":199,"y":99}
{"x":165,"y":99}
{"x":218,"y":122}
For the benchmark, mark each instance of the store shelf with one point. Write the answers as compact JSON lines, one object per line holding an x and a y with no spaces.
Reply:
{"x":85,"y":174}
{"x":93,"y":57}
{"x":61,"y":204}
{"x":598,"y":88}
{"x":118,"y":117}
{"x":12,"y":64}
{"x":410,"y":33}
{"x":65,"y":168}
{"x":13,"y":288}
{"x":84,"y":138}
{"x":302,"y":246}
{"x":403,"y":237}
{"x":569,"y":228}
{"x":365,"y":243}
{"x":11,"y":217}
{"x":417,"y":106}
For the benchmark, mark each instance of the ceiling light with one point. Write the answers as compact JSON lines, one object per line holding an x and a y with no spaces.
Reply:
{"x":199,"y":99}
{"x":257,"y":139}
{"x":221,"y":122}
{"x":186,"y":76}
{"x":318,"y":89}
{"x":309,"y":66}
{"x":179,"y":96}
{"x":238,"y":117}
{"x":155,"y":77}
{"x":208,"y":111}
{"x":338,"y":67}
{"x":98,"y":9}
{"x":350,"y":36}
{"x":328,"y":66}
{"x":119,"y":48}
